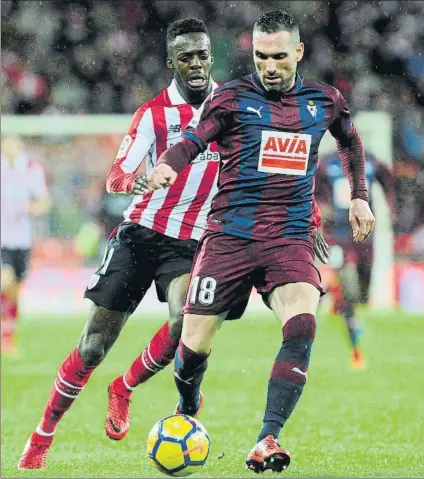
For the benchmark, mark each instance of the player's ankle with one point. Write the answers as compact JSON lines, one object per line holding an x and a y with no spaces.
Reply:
{"x":122,"y":386}
{"x":41,"y":432}
{"x":189,"y":407}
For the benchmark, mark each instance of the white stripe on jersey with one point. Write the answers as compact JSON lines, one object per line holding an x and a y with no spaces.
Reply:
{"x":168,"y":107}
{"x":189,"y":194}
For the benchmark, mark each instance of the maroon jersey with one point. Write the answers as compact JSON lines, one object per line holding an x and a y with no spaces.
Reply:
{"x":268,"y":146}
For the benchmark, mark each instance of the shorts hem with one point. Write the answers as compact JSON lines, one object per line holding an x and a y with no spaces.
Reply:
{"x":108,"y":306}
{"x":267,"y":291}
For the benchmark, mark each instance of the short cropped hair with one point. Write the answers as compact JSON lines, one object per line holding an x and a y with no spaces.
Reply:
{"x":276,"y":21}
{"x":181,"y":27}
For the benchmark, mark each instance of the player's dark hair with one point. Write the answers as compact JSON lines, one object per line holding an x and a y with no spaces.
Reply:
{"x":276,"y":21}
{"x":181,"y":27}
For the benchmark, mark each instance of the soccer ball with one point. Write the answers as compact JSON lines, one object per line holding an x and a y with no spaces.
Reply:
{"x":178,"y":445}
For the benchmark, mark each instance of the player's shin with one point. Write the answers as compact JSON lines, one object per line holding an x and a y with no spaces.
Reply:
{"x":189,"y":368}
{"x":71,"y":378}
{"x":289,"y":373}
{"x":157,"y":355}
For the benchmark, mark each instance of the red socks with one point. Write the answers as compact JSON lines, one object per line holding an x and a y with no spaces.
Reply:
{"x":9,"y":315}
{"x":73,"y":375}
{"x":158,"y":354}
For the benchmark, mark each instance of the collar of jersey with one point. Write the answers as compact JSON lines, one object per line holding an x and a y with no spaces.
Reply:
{"x":175,"y":96}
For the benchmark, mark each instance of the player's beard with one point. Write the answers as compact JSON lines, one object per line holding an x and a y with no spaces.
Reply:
{"x":284,"y":86}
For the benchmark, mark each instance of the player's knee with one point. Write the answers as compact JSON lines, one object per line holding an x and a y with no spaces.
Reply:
{"x":99,"y":334}
{"x":198,"y":331}
{"x":300,"y":326}
{"x":175,"y":319}
{"x":92,"y":352}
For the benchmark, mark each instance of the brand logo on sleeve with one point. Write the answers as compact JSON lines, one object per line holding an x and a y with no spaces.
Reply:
{"x":284,"y":153}
{"x":125,"y":146}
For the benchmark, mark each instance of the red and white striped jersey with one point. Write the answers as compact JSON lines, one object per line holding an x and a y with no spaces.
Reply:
{"x":21,"y":183}
{"x":179,"y":211}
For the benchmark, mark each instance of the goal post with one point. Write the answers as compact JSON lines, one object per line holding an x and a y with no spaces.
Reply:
{"x":375,"y":129}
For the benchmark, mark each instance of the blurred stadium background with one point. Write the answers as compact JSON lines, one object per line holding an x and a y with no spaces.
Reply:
{"x":73,"y":73}
{"x":95,"y":58}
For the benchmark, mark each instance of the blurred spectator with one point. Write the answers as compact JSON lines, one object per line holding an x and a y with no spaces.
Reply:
{"x":104,"y":56}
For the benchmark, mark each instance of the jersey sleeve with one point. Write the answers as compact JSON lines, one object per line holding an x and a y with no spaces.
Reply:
{"x":134,"y":148}
{"x":205,"y":127}
{"x":211,"y":119}
{"x":349,"y":146}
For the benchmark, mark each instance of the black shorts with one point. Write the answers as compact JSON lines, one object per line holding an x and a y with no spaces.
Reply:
{"x":135,"y":257}
{"x":18,"y":259}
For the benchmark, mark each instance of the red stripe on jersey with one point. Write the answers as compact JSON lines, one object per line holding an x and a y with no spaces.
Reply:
{"x":186,"y":115}
{"x":292,"y":165}
{"x":159,"y":125}
{"x":208,"y":180}
{"x":160,"y":221}
{"x":136,"y":213}
{"x":284,"y":157}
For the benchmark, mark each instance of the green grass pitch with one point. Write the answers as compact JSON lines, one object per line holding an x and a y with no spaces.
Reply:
{"x":347,"y":423}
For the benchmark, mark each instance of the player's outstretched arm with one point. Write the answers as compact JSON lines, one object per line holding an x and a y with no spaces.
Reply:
{"x":171,"y":162}
{"x":352,"y":157}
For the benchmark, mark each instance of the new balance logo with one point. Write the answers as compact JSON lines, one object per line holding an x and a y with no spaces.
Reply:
{"x":258,"y":112}
{"x":174,"y":128}
{"x":299,"y":371}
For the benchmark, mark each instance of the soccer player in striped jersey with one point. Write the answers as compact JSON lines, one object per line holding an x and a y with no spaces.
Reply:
{"x":156,"y":241}
{"x":259,"y":232}
{"x":24,"y":194}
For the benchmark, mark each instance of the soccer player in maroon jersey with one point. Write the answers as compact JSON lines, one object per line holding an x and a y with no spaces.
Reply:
{"x":156,"y":242}
{"x":268,"y":126}
{"x":351,"y":261}
{"x":24,"y":194}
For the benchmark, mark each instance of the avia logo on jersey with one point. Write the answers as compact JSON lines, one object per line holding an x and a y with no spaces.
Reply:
{"x":125,"y":146}
{"x":284,"y":153}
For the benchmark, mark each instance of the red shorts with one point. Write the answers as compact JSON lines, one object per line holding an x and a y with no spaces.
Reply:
{"x":226,"y":268}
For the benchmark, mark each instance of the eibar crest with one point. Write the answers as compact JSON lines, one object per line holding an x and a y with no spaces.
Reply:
{"x":312,"y":108}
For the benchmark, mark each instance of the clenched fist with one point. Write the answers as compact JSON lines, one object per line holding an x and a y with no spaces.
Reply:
{"x":161,"y":176}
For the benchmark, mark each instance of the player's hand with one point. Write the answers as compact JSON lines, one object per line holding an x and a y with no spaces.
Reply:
{"x":140,"y":185}
{"x":161,"y":176}
{"x":321,"y":247}
{"x":361,"y":219}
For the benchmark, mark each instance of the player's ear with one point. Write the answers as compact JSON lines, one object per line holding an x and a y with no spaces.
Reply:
{"x":212,"y":59}
{"x":169,"y":63}
{"x":299,"y":51}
